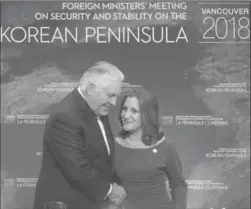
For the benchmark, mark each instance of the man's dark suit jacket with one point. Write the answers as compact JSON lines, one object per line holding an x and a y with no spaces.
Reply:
{"x":76,"y":167}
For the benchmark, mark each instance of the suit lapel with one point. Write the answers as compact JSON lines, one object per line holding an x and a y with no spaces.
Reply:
{"x":89,"y":116}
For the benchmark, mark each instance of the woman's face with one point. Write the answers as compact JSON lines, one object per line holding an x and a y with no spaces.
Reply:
{"x":130,"y":114}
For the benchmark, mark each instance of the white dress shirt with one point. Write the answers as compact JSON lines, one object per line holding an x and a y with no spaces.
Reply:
{"x":101,"y":125}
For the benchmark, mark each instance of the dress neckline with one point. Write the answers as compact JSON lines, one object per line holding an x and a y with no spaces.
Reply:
{"x":141,"y":148}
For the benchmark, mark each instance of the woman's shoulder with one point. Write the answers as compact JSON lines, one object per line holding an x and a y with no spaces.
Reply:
{"x":168,"y":143}
{"x":119,"y":140}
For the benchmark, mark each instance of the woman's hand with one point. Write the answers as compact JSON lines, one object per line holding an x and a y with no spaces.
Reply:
{"x":117,"y":195}
{"x":113,"y":205}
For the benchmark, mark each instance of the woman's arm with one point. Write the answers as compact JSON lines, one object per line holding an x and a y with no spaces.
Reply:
{"x":176,"y":180}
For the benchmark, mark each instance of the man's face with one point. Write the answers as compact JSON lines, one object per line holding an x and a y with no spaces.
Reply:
{"x":104,"y":97}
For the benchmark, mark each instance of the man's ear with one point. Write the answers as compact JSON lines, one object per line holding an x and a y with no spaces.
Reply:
{"x":89,"y":88}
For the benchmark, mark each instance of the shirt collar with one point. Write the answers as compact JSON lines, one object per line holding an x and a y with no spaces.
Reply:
{"x":79,"y":91}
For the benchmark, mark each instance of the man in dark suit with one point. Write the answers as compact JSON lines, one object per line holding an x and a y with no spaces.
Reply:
{"x":78,"y":144}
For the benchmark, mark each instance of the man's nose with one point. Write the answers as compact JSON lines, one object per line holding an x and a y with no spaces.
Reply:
{"x":113,"y":101}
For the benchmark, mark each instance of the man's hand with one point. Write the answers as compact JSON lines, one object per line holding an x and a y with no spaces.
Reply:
{"x":117,"y":194}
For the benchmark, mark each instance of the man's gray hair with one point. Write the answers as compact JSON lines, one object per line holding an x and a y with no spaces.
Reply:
{"x":99,"y":72}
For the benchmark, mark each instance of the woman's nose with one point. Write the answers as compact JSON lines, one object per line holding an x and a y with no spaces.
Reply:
{"x":127,"y":114}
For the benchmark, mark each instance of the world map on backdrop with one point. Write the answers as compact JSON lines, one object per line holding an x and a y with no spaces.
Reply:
{"x":203,"y":92}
